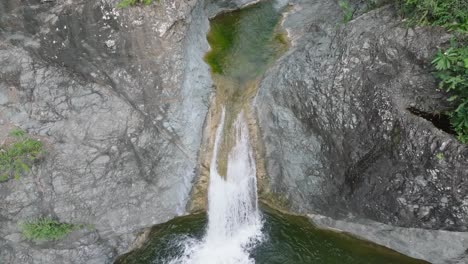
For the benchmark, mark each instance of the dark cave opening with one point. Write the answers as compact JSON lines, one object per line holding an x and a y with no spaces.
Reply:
{"x":440,"y":120}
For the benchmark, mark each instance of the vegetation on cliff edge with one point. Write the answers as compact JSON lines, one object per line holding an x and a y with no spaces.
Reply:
{"x":452,"y":71}
{"x":451,"y":65}
{"x":451,"y":14}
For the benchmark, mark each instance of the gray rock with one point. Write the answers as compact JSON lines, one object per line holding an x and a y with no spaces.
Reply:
{"x":435,"y":246}
{"x":119,"y":98}
{"x":338,"y":136}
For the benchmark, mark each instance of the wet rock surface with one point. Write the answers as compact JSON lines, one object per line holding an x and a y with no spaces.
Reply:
{"x":339,"y":138}
{"x":435,"y":246}
{"x":119,"y":98}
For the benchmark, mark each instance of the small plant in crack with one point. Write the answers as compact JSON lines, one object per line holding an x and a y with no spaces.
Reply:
{"x":17,"y":157}
{"x":127,"y":3}
{"x":348,"y":11}
{"x":440,"y":156}
{"x":46,"y":229}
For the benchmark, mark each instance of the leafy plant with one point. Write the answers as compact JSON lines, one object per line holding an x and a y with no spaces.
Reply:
{"x":126,"y":3}
{"x":459,"y":120}
{"x":452,"y":71}
{"x":17,"y":157}
{"x":348,"y":11}
{"x":452,"y":64}
{"x":452,"y":14}
{"x":46,"y":229}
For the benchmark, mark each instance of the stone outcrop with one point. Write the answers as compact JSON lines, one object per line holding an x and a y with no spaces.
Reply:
{"x":435,"y":246}
{"x":338,"y":134}
{"x":119,"y":98}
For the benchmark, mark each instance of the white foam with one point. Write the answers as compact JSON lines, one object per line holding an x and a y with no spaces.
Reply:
{"x":234,"y":222}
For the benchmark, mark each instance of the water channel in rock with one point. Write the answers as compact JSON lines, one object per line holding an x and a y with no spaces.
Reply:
{"x":235,"y":229}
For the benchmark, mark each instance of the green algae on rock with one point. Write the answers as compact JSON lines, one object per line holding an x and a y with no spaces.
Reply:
{"x":245,"y":42}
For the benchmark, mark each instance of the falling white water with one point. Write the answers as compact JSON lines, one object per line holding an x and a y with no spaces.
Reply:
{"x":234,"y":223}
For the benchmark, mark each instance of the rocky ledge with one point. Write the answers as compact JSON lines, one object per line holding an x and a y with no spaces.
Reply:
{"x":435,"y":246}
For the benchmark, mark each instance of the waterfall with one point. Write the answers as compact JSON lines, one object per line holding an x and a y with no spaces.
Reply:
{"x":234,"y":222}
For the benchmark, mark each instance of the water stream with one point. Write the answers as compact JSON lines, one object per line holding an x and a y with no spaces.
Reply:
{"x":234,"y":223}
{"x":235,"y":231}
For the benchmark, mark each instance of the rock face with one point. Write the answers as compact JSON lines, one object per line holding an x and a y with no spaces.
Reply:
{"x":338,"y":134}
{"x":119,"y":97}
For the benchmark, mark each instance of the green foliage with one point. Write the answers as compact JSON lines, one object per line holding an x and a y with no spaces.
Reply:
{"x":371,"y":5}
{"x":348,"y":11}
{"x":127,"y":3}
{"x":4,"y":178}
{"x":451,"y":64}
{"x":440,"y":156}
{"x":16,"y":132}
{"x":459,"y":120}
{"x":46,"y":229}
{"x":452,"y":14}
{"x":17,"y":157}
{"x":452,"y":71}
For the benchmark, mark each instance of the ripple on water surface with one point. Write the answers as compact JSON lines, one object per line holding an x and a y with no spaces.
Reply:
{"x":288,"y":240}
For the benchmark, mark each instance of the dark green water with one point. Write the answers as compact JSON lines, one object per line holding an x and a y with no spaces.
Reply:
{"x":288,"y":240}
{"x":245,"y":42}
